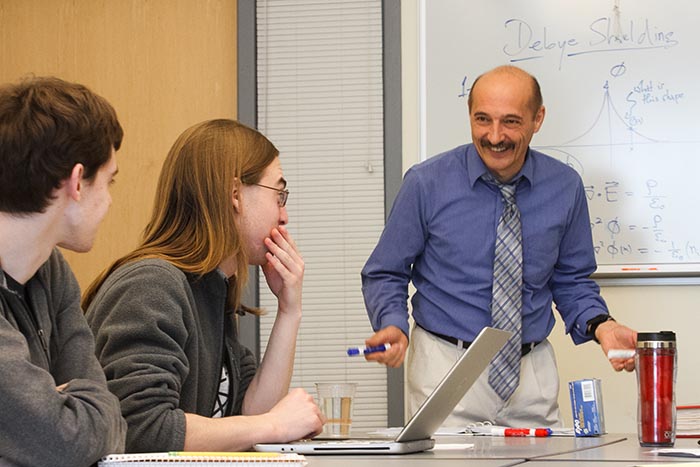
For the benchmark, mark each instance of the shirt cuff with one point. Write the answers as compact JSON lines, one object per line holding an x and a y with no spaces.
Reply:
{"x":392,"y":320}
{"x":578,"y":332}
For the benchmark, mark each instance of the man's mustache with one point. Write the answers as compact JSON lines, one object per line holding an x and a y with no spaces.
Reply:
{"x":500,"y":146}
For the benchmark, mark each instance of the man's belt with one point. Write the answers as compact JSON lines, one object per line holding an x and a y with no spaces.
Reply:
{"x":525,"y":349}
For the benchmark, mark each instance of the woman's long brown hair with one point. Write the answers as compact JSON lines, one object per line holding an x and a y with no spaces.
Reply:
{"x":193,"y":224}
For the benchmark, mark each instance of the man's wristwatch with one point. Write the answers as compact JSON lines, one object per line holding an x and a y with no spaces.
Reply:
{"x":593,"y":323}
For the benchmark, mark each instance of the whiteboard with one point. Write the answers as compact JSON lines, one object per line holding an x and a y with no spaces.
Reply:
{"x":621,"y":87}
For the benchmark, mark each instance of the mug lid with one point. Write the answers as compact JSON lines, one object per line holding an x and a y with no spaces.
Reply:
{"x":656,"y":336}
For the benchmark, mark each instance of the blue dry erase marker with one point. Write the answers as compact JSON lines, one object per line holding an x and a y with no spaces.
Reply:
{"x":354,"y":351}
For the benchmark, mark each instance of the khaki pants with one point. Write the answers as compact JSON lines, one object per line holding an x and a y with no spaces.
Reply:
{"x":533,"y":404}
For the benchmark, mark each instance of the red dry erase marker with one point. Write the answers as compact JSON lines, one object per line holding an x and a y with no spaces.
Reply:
{"x":538,"y":432}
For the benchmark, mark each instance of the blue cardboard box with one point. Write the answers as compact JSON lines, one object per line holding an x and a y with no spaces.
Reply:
{"x":587,"y":407}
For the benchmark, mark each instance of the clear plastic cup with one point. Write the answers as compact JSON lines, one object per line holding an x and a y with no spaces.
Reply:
{"x":335,"y":401}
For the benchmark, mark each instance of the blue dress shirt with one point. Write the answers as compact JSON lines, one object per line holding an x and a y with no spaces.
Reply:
{"x":441,"y":234}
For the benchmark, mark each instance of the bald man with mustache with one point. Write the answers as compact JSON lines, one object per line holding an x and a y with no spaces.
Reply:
{"x":441,"y":235}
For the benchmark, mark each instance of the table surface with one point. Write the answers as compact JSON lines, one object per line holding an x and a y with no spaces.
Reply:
{"x":487,"y":451}
{"x":628,"y":450}
{"x":545,"y":463}
{"x":407,"y":460}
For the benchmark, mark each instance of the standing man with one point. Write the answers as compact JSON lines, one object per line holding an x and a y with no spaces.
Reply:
{"x":490,"y":233}
{"x":57,"y":145}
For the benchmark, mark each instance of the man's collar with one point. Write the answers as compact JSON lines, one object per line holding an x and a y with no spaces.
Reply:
{"x":476,"y":168}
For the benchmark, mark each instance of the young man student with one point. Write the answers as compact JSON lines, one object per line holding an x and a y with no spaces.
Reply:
{"x":57,"y":145}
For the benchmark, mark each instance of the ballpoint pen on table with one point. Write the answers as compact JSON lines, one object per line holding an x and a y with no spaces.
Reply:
{"x":355,"y":351}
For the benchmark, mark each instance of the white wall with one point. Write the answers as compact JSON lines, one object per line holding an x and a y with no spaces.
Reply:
{"x":645,"y":308}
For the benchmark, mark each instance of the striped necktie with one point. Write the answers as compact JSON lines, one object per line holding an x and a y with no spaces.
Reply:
{"x":506,"y":304}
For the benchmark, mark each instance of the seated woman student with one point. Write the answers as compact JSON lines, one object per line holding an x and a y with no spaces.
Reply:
{"x":163,"y":315}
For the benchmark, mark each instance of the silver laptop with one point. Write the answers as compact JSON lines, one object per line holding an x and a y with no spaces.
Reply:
{"x":417,"y":434}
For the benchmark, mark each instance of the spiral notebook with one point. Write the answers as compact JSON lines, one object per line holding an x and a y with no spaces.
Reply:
{"x":203,"y":459}
{"x":417,"y":435}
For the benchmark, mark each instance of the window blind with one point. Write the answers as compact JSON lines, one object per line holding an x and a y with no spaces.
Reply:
{"x":319,"y":75}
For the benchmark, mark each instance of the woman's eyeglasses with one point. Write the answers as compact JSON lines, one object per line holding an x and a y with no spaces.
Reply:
{"x":282,"y":195}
